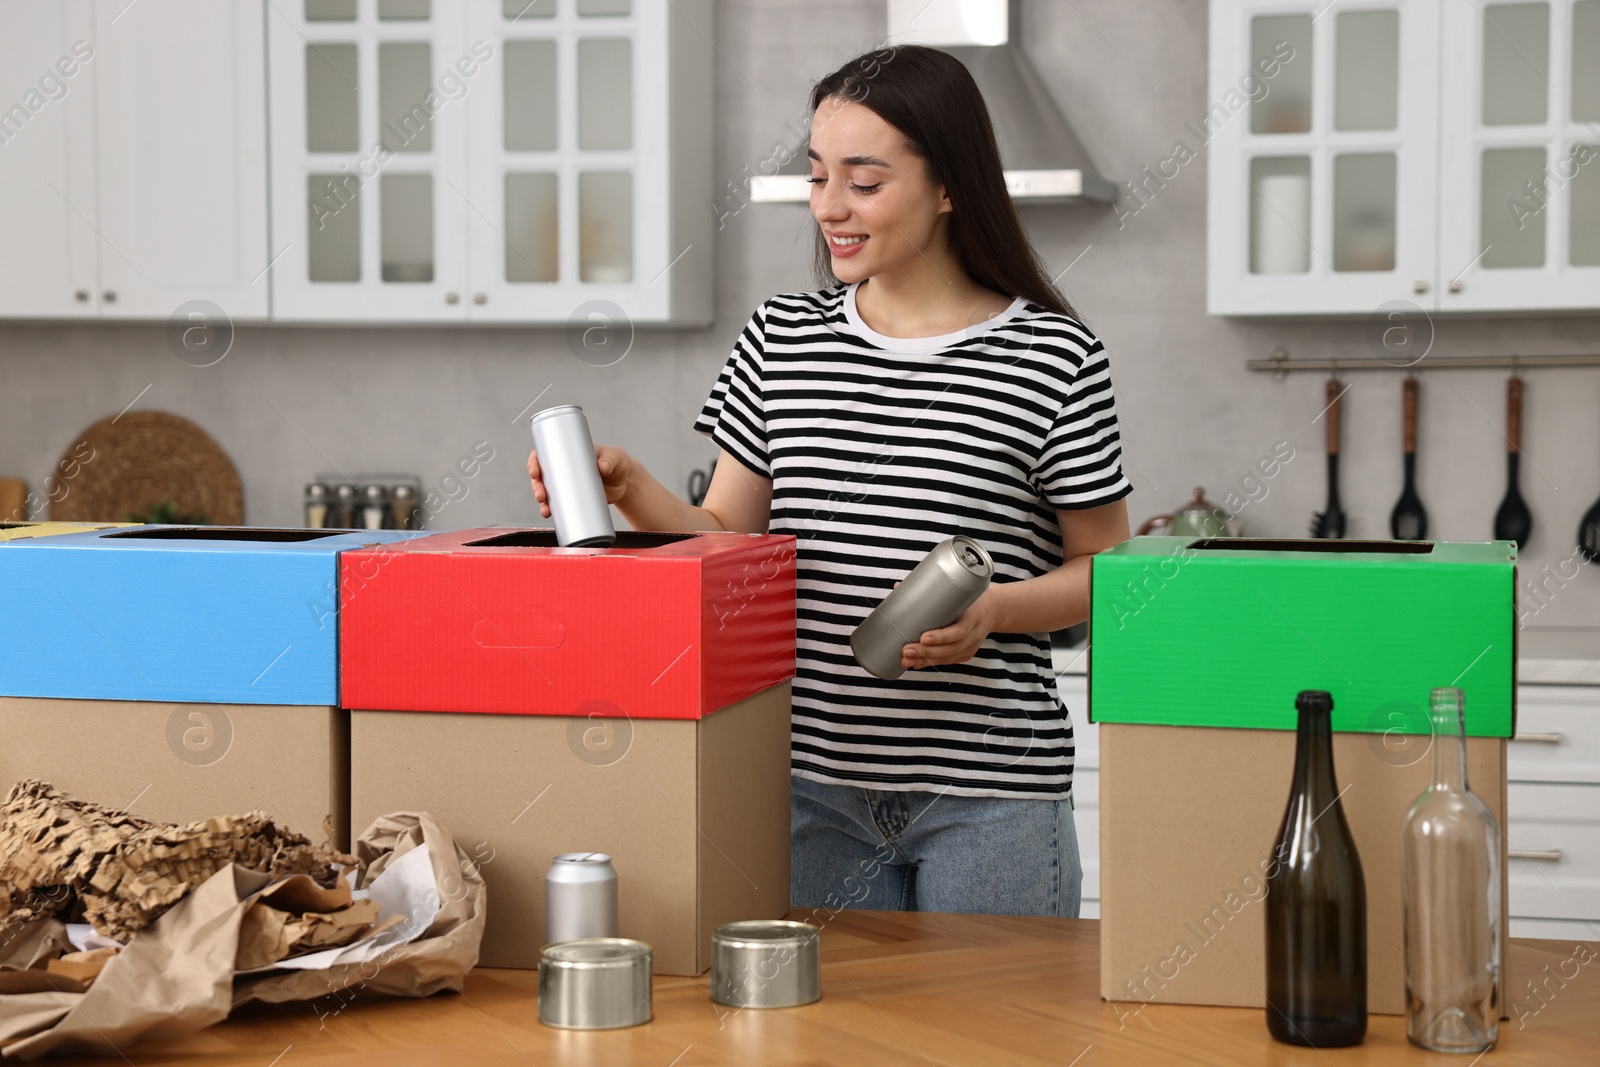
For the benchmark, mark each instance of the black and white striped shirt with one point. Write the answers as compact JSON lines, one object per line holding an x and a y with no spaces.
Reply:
{"x":879,"y":448}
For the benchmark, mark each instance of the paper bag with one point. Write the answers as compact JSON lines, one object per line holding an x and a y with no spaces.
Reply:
{"x":177,"y":975}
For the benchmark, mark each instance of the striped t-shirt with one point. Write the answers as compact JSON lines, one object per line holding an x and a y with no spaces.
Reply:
{"x":878,"y":449}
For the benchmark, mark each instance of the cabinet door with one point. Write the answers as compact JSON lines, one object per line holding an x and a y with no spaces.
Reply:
{"x":570,"y":181}
{"x":369,"y":186}
{"x":1321,"y":114}
{"x":48,"y":67}
{"x":181,"y":157}
{"x":1520,"y":152}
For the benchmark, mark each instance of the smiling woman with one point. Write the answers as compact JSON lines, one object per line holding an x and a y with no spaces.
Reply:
{"x":938,"y":384}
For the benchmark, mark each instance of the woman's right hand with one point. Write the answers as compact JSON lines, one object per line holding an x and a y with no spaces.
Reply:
{"x":615,"y":467}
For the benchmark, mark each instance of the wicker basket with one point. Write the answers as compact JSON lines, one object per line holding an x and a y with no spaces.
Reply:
{"x":134,"y":461}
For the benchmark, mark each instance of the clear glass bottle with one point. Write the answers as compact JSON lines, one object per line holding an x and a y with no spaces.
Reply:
{"x":1450,"y":886}
{"x":1316,"y":904}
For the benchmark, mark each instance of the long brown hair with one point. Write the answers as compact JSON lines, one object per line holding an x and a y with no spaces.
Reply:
{"x":931,"y":99}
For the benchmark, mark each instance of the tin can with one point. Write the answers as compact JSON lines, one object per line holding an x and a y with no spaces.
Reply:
{"x":580,"y":897}
{"x":596,"y":983}
{"x":938,"y":589}
{"x":766,"y":963}
{"x":572,"y":478}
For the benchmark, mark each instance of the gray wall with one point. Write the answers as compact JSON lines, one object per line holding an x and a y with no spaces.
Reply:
{"x":1128,"y":76}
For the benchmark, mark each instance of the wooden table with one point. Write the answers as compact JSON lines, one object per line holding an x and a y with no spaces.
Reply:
{"x":898,"y":988}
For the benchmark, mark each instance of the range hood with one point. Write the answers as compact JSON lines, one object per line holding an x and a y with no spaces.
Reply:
{"x":1044,"y":161}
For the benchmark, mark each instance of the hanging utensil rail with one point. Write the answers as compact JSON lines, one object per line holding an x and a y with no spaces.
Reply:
{"x":1279,"y":363}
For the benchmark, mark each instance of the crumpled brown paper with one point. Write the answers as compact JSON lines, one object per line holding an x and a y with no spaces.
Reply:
{"x":177,"y":975}
{"x":57,"y":852}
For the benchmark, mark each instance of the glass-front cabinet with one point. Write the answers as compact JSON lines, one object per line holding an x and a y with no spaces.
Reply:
{"x":493,"y":160}
{"x":1521,"y":167}
{"x":1370,"y":151}
{"x":1320,"y":135}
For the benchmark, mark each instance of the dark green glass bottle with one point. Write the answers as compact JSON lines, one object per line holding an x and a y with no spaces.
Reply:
{"x":1316,"y":905}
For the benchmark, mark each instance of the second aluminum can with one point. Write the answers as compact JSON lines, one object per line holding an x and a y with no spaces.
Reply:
{"x":580,"y":897}
{"x":938,"y":589}
{"x":766,"y":963}
{"x":577,"y":496}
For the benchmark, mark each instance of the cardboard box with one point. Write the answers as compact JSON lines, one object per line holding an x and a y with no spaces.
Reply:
{"x":693,"y":811}
{"x":1197,"y":649}
{"x":1188,"y":819}
{"x":658,"y":626}
{"x":184,"y":762}
{"x":205,"y":614}
{"x":17,"y":531}
{"x":1224,"y":632}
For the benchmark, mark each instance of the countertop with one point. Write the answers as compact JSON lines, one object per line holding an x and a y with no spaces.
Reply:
{"x":899,"y":988}
{"x":1568,"y":656}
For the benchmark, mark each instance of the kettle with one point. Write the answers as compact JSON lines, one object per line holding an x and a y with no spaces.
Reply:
{"x":1198,"y":518}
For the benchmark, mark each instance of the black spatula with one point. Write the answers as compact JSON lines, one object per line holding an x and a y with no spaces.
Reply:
{"x":1409,"y":520}
{"x":1329,"y":522}
{"x":1512,"y":522}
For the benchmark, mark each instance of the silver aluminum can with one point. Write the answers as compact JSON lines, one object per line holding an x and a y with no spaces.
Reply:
{"x":597,"y":983}
{"x":572,"y":478}
{"x":946,"y":583}
{"x":580,"y":897}
{"x":766,"y":963}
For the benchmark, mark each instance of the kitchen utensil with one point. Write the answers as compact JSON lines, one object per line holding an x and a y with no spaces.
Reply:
{"x":596,"y":983}
{"x":572,"y":477}
{"x":1512,"y":521}
{"x":767,"y":963}
{"x":1198,"y":518}
{"x":131,"y":462}
{"x":580,"y":897}
{"x":939,"y":588}
{"x":700,"y":481}
{"x":1589,"y":534}
{"x":1409,"y":519}
{"x":1329,"y":522}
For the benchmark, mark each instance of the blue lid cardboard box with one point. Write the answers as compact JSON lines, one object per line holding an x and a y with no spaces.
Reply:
{"x":174,"y":613}
{"x":1197,"y":649}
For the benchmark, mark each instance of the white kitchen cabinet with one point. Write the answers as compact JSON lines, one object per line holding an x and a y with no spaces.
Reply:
{"x":1321,"y":116}
{"x":491,"y":161}
{"x":181,"y":156}
{"x":1074,"y":691}
{"x":1520,"y":156}
{"x":1553,"y":812}
{"x":133,"y":169}
{"x":1444,"y":155}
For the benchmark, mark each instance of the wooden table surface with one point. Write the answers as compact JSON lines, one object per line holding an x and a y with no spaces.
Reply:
{"x":898,"y":988}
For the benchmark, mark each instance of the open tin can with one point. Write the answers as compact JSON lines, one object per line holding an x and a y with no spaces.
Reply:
{"x":766,"y":963}
{"x":594,"y":983}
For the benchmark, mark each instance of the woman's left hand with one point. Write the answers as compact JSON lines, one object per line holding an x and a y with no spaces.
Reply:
{"x":955,"y":643}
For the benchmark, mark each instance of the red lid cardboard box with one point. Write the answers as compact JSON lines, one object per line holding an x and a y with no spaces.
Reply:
{"x":659,"y":626}
{"x":643,"y":711}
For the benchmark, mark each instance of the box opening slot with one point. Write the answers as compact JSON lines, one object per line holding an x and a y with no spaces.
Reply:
{"x":227,"y":533}
{"x":547,"y":539}
{"x":1312,"y":544}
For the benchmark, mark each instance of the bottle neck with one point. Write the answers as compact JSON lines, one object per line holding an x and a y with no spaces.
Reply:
{"x":1449,"y":746}
{"x":1313,"y":759}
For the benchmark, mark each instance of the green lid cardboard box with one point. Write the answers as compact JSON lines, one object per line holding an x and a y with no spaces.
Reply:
{"x":1197,"y":649}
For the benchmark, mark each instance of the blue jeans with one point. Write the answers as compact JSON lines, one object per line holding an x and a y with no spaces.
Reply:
{"x":921,"y":851}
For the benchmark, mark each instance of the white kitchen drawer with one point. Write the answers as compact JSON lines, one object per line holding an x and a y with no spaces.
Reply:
{"x":1086,"y":808}
{"x":1561,"y":822}
{"x":1074,"y":690}
{"x":1556,"y":929}
{"x":1090,"y":909}
{"x":1558,"y":735}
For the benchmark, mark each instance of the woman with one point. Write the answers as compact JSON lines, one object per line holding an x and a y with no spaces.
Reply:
{"x":939,"y":384}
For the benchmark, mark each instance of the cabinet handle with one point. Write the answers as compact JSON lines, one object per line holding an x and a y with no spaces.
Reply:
{"x":110,"y":296}
{"x":82,"y":296}
{"x":1455,"y":286}
{"x":1551,"y":854}
{"x":1419,"y":287}
{"x":480,"y":298}
{"x":1543,"y":739}
{"x":452,"y":298}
